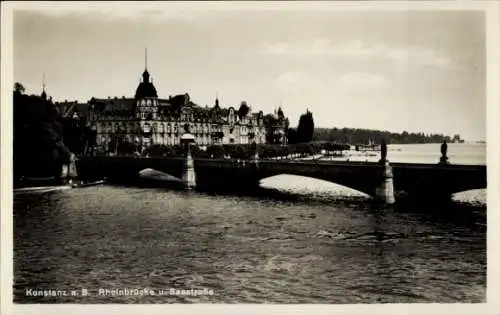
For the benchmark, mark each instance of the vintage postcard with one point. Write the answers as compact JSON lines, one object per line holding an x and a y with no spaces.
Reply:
{"x":307,"y":155}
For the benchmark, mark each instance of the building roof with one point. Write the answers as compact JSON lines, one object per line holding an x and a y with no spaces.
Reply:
{"x":171,"y":107}
{"x":114,"y":106}
{"x":68,"y":109}
{"x":145,"y":88}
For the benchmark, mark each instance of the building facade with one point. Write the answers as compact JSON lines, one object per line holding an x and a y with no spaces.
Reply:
{"x":146,"y":120}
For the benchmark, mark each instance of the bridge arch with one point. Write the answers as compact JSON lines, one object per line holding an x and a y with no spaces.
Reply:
{"x":472,"y":196}
{"x":361,"y":177}
{"x":424,"y":179}
{"x":305,"y":184}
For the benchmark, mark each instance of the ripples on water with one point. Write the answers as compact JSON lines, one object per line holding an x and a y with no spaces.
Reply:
{"x":248,"y":250}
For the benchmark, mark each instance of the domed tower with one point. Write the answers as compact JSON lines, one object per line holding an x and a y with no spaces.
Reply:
{"x":146,"y":109}
{"x":146,"y":88}
{"x":146,"y":97}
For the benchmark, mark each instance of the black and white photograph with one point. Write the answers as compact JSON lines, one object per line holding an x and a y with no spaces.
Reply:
{"x":248,"y":153}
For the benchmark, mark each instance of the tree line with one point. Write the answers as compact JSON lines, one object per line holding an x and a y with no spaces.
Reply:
{"x":357,"y":136}
{"x":245,"y":151}
{"x":306,"y":132}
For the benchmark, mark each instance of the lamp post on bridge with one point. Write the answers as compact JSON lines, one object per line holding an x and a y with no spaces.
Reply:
{"x":383,"y":153}
{"x":256,"y":153}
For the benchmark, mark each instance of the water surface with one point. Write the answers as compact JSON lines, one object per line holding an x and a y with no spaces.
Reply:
{"x":247,"y":250}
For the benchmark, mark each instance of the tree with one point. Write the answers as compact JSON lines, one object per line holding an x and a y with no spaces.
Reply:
{"x":126,"y":148}
{"x":305,"y":130}
{"x":281,"y":115}
{"x":291,"y":135}
{"x":243,"y":110}
{"x":19,"y":88}
{"x":270,"y":123}
{"x":40,"y":148}
{"x":77,"y":135}
{"x":215,"y":151}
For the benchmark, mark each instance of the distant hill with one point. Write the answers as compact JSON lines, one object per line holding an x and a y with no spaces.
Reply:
{"x":365,"y":136}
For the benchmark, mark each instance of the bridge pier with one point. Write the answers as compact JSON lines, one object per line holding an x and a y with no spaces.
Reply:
{"x":69,"y":171}
{"x":256,"y":157}
{"x":188,"y":173}
{"x":384,"y":193}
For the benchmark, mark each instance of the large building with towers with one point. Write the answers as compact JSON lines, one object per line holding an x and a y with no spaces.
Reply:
{"x":146,"y":120}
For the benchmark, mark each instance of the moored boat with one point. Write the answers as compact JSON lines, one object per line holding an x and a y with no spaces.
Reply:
{"x":82,"y":184}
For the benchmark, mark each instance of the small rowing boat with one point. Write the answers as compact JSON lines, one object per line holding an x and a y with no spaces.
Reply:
{"x":82,"y":184}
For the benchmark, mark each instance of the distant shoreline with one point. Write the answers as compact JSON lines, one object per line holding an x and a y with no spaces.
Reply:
{"x":449,"y":143}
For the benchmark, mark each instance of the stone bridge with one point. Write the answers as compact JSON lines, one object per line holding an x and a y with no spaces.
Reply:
{"x":421,"y":180}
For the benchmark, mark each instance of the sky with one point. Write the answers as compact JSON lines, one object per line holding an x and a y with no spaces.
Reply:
{"x":419,"y":71}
